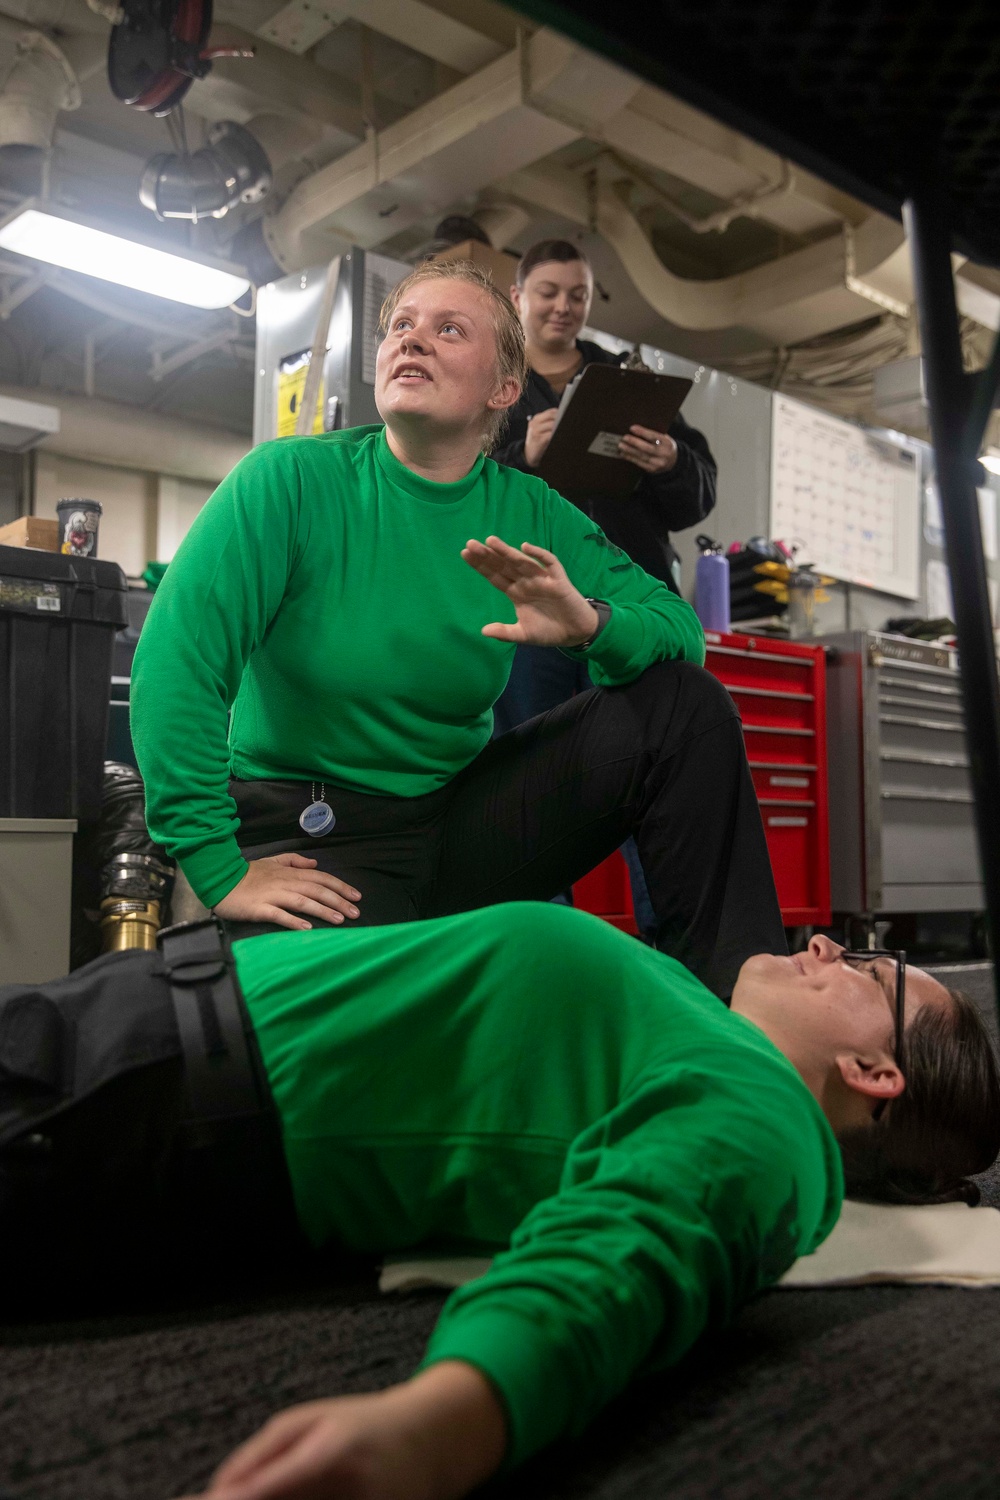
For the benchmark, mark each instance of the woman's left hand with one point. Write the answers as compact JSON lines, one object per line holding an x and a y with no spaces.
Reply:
{"x":652,"y":452}
{"x":550,"y":611}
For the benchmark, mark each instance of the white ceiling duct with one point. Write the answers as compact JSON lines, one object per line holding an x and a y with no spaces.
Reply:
{"x":805,"y":290}
{"x":39,"y":85}
{"x":531,"y":101}
{"x":23,"y":424}
{"x":542,"y":96}
{"x":671,"y":136}
{"x":300,"y":24}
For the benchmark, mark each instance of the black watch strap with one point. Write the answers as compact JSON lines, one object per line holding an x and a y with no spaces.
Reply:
{"x":603,"y":616}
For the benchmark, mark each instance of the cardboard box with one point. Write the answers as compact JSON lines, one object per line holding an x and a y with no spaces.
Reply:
{"x":31,"y":531}
{"x":501,"y":266}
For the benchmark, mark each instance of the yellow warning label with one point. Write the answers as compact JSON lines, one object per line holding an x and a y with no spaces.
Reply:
{"x":292,"y":371}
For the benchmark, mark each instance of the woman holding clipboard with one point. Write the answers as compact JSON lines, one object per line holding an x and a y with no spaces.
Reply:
{"x":675,"y":470}
{"x":675,"y":473}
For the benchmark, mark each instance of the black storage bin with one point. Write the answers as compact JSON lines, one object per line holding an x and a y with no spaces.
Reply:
{"x":58,"y":618}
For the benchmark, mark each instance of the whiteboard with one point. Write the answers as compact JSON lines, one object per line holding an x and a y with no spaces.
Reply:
{"x":849,"y":501}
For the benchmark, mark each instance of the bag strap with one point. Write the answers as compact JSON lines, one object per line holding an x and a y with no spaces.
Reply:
{"x":215,"y":1032}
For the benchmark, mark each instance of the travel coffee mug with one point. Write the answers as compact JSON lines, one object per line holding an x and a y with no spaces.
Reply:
{"x":78,"y":523}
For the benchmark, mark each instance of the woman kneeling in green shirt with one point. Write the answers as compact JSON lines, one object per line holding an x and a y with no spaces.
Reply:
{"x":355,"y":600}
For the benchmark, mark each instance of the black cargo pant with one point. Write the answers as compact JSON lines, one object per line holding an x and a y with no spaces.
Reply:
{"x":106,"y":1186}
{"x":661,"y":758}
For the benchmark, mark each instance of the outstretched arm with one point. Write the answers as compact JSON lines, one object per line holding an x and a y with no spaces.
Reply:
{"x":436,"y":1437}
{"x":549,"y":587}
{"x":673,"y":1209}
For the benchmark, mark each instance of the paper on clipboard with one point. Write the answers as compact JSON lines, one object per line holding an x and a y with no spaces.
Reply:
{"x":567,"y":397}
{"x":596,"y":410}
{"x":606,"y":444}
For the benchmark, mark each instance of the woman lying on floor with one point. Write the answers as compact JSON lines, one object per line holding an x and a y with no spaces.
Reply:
{"x":521,"y":1080}
{"x":355,"y":599}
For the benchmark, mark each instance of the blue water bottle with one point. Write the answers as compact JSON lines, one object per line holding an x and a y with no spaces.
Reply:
{"x":711,"y":585}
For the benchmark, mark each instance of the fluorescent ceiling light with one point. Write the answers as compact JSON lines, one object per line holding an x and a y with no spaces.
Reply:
{"x":991,"y":461}
{"x":63,"y":240}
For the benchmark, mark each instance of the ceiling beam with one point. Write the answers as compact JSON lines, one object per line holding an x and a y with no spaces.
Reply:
{"x":666,"y":133}
{"x":275,"y":80}
{"x":300,"y":24}
{"x":165,"y":365}
{"x":525,"y":105}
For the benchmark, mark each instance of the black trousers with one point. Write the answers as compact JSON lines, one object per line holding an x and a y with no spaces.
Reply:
{"x":660,"y":759}
{"x":107,"y":1187}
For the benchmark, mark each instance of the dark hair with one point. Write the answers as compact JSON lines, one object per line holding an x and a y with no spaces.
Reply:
{"x":562,"y":251}
{"x":944,"y":1126}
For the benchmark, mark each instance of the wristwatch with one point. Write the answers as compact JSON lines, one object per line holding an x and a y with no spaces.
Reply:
{"x":603,"y":616}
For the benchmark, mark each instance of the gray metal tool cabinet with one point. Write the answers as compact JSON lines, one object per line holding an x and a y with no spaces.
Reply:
{"x":902,"y":834}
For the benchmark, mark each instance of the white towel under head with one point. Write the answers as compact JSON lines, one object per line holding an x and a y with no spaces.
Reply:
{"x":947,"y":1243}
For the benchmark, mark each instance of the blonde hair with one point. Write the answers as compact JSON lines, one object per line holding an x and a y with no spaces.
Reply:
{"x":512,"y":362}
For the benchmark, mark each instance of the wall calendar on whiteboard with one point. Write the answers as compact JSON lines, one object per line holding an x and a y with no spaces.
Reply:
{"x":849,"y":501}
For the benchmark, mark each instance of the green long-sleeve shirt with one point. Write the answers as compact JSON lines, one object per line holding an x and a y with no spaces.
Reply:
{"x":321,"y":594}
{"x":526,"y":1079}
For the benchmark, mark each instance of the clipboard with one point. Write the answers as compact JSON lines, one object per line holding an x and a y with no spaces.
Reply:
{"x":608,"y":400}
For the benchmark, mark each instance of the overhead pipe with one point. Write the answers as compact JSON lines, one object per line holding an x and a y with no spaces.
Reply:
{"x":544,"y":94}
{"x":728,"y":301}
{"x":39,"y":85}
{"x":665,"y":133}
{"x":746,"y":298}
{"x":743,"y":205}
{"x":509,"y":115}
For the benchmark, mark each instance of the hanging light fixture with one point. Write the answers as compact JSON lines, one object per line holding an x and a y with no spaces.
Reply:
{"x":47,"y":232}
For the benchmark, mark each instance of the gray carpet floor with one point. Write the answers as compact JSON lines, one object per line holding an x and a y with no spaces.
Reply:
{"x":830,"y":1395}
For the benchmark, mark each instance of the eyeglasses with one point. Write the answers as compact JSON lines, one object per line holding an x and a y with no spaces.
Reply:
{"x":859,"y":957}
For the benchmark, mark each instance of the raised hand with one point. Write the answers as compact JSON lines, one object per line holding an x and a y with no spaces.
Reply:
{"x":550,"y":611}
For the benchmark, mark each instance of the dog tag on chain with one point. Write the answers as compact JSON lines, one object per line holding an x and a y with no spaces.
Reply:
{"x":317,"y":818}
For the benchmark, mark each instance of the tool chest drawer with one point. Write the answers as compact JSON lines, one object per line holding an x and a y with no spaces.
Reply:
{"x":899,"y":778}
{"x":779,"y":688}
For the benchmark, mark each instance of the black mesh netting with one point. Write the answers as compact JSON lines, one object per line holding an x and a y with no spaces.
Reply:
{"x":869,"y":94}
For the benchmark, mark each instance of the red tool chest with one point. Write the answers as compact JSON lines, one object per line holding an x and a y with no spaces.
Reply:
{"x":780,"y":690}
